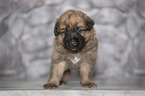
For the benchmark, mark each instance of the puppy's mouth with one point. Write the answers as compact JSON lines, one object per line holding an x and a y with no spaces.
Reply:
{"x":74,"y":44}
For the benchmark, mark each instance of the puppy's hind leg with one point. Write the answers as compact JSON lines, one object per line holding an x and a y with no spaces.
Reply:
{"x":65,"y":77}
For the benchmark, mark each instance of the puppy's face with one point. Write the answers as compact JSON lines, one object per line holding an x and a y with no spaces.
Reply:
{"x":73,"y":30}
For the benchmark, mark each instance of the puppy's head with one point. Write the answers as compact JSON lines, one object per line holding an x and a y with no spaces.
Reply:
{"x":73,"y":29}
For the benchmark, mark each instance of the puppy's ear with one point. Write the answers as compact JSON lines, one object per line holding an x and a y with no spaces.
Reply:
{"x":89,"y":23}
{"x":56,"y":28}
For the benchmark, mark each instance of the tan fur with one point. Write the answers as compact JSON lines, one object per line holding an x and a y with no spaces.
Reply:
{"x":63,"y":60}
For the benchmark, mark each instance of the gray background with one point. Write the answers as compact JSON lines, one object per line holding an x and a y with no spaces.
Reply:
{"x":26,"y":36}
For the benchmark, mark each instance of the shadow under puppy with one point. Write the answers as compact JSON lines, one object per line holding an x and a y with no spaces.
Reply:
{"x":75,"y":47}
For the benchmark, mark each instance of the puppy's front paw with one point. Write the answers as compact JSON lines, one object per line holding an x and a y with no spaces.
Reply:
{"x":50,"y":86}
{"x":89,"y":85}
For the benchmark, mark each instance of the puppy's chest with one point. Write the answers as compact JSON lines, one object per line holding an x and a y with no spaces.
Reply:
{"x":75,"y":59}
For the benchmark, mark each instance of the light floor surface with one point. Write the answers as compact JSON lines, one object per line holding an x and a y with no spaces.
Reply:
{"x":106,"y":87}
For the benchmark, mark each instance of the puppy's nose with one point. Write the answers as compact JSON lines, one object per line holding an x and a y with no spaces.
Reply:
{"x":73,"y":43}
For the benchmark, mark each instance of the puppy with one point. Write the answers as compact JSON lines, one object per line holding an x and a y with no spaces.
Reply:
{"x":75,"y":47}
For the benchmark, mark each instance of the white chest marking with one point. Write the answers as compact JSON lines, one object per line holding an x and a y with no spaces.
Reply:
{"x":75,"y":60}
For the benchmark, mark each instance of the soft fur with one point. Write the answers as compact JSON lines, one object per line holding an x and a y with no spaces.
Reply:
{"x":75,"y":47}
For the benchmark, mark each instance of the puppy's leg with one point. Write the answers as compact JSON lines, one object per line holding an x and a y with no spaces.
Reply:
{"x":86,"y":71}
{"x":65,"y":77}
{"x":57,"y":71}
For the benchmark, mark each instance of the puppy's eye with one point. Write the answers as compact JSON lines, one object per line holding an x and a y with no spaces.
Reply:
{"x":79,"y":30}
{"x":65,"y":32}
